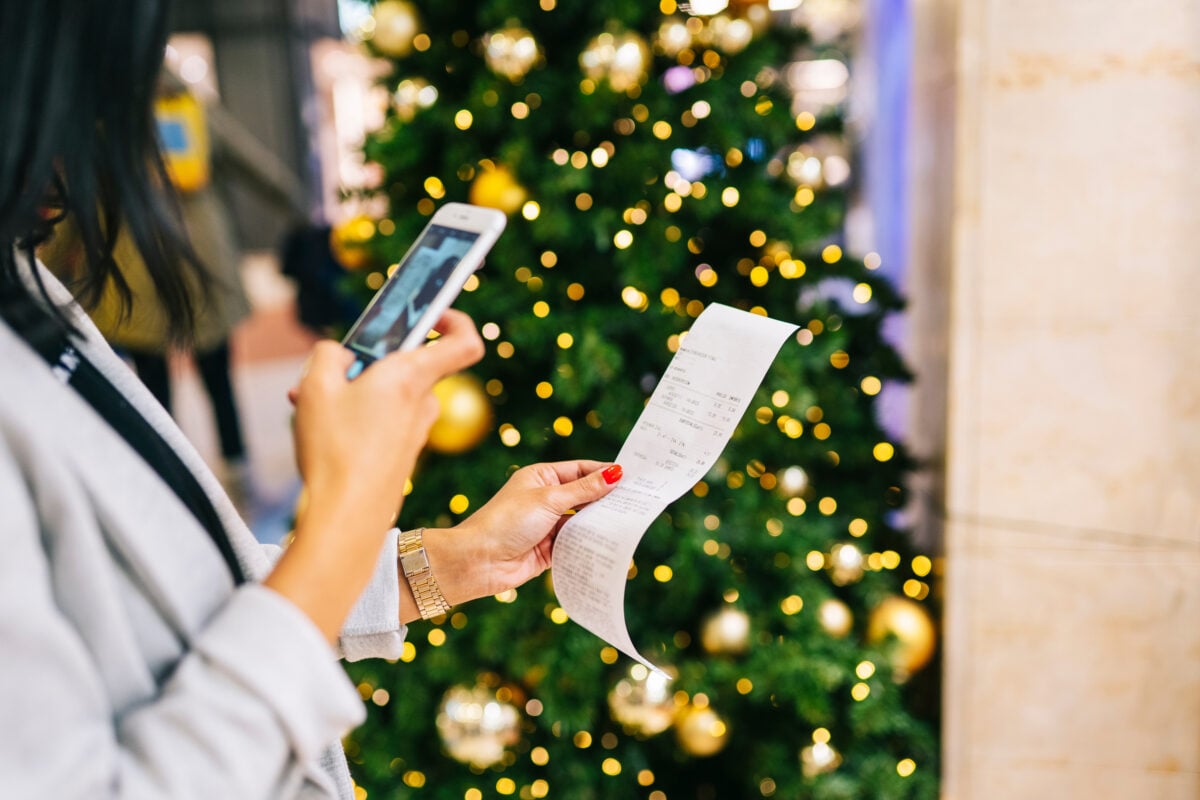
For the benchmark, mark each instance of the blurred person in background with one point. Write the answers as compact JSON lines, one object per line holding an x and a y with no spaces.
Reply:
{"x":149,"y":646}
{"x":205,"y":151}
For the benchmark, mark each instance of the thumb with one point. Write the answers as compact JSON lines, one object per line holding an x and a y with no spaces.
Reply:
{"x":585,"y":490}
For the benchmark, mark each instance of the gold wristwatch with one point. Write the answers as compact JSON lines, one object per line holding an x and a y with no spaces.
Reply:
{"x":410,"y":549}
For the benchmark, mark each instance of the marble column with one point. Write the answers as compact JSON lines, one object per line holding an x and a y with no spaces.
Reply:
{"x":1072,"y":629}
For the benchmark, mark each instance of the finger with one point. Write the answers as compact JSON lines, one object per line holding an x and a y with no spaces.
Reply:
{"x":567,"y":471}
{"x":589,"y":488}
{"x":328,"y":359}
{"x":457,"y":348}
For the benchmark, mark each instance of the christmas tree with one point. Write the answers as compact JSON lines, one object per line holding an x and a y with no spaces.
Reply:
{"x":651,"y":163}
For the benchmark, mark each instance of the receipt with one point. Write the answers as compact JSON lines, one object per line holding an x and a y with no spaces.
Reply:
{"x":679,"y":436}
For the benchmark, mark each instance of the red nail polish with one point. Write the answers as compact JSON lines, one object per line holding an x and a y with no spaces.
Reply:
{"x":612,"y":474}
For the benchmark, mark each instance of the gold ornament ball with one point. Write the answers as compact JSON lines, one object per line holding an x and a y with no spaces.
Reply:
{"x":701,"y":731}
{"x":511,"y":52}
{"x":465,"y":417}
{"x":793,"y":481}
{"x":673,"y":37}
{"x":630,"y":62}
{"x":348,"y":241}
{"x":731,"y":34}
{"x":496,"y":187}
{"x":819,"y":758}
{"x":913,"y":628}
{"x":643,"y":702}
{"x":622,"y":59}
{"x":413,"y":95}
{"x":476,"y":727}
{"x":845,"y":564}
{"x":396,"y":25}
{"x":835,"y":617}
{"x":727,"y":631}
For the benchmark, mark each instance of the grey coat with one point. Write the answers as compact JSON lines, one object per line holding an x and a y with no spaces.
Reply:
{"x":130,"y":665}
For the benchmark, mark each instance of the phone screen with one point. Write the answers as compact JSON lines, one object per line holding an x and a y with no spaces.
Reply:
{"x":404,"y":298}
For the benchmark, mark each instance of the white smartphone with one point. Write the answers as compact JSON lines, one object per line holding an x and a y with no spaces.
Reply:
{"x":429,"y":277}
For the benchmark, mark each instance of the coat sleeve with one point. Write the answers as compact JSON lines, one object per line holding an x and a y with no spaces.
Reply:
{"x":245,"y":713}
{"x":373,"y":629}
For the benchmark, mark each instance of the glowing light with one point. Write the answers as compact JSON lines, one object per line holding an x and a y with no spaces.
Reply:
{"x":906,"y":767}
{"x":883,"y":451}
{"x":921,"y":566}
{"x":506,"y":786}
{"x":827,"y":505}
{"x":758,"y":239}
{"x":509,"y":435}
{"x":582,"y":740}
{"x":599,"y":157}
{"x":541,"y":309}
{"x":860,"y":692}
{"x":871,"y":385}
{"x":707,"y":8}
{"x":831,"y":254}
{"x":540,"y":788}
{"x":459,"y":503}
{"x":563,"y":426}
{"x":839,"y":359}
{"x":623,"y":239}
{"x":792,"y":605}
{"x":858,"y":527}
{"x":661,"y":130}
{"x":815,"y":560}
{"x":434,"y":188}
{"x":575,"y":291}
{"x":565,"y":340}
{"x":558,"y":616}
{"x":645,"y":777}
{"x":864,"y":670}
{"x":663,"y":573}
{"x":520,"y":110}
{"x":611,"y":766}
{"x":759,"y":276}
{"x":862,"y":293}
{"x":730,"y":197}
{"x":437,"y":637}
{"x":531,"y":210}
{"x":463,"y":119}
{"x":872,"y":261}
{"x":634,"y":298}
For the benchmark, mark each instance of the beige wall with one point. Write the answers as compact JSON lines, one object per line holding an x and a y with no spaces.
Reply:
{"x":1072,"y":466}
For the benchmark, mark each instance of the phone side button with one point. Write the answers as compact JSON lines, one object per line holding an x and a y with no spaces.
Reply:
{"x":355,"y":369}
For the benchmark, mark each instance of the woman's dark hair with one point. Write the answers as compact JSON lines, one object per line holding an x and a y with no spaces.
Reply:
{"x":77,"y":136}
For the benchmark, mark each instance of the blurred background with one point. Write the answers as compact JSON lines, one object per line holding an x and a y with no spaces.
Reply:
{"x":952,"y":551}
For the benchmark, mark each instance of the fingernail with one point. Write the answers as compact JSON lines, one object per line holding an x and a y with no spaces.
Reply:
{"x":612,"y":474}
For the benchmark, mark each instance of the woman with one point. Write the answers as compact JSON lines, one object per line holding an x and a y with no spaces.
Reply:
{"x":148,"y":646}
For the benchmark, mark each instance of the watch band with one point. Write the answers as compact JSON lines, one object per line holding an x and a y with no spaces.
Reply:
{"x":410,"y":549}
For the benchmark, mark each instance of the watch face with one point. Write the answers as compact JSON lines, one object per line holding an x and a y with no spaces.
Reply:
{"x":414,"y":562}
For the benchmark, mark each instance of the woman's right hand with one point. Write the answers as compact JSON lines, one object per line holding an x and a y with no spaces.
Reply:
{"x":356,"y":445}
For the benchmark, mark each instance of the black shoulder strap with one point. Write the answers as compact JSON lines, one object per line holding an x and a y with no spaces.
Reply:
{"x":115,"y":408}
{"x":51,"y":340}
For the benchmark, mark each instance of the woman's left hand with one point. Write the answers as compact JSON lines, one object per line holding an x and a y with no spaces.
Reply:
{"x":509,"y":539}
